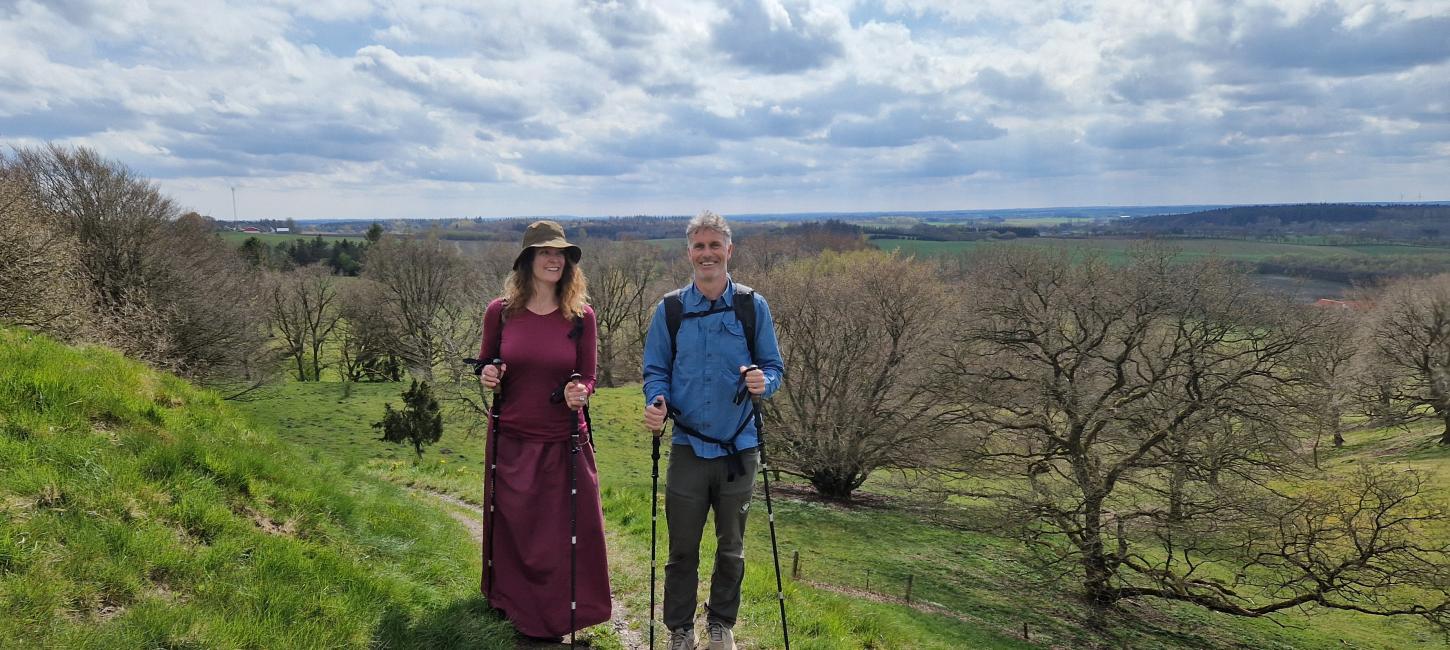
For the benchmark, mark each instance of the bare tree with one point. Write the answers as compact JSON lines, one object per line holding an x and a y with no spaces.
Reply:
{"x":39,"y":286}
{"x":1333,"y":367}
{"x":461,"y":326}
{"x":420,"y":279}
{"x":303,"y":309}
{"x":761,"y":251}
{"x":1411,"y":334}
{"x":165,"y":288}
{"x":621,"y":276}
{"x":366,"y":334}
{"x":116,"y":216}
{"x":212,"y":302}
{"x":858,"y":332}
{"x":1128,"y":424}
{"x":491,"y":264}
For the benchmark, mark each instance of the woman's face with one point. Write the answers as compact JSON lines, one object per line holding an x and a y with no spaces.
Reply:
{"x":548,"y":264}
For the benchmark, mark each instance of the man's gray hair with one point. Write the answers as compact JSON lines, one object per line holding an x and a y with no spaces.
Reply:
{"x":708,"y":220}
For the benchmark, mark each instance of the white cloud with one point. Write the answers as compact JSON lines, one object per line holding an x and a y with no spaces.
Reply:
{"x":446,"y":83}
{"x":625,"y":106}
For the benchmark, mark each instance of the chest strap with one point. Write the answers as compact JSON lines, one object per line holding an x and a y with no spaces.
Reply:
{"x":734,"y":464}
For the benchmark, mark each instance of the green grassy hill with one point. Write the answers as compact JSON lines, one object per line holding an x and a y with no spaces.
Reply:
{"x":139,"y":512}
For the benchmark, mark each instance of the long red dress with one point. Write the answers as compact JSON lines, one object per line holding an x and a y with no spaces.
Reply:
{"x":529,"y":528}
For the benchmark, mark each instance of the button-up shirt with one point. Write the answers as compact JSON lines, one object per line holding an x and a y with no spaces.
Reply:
{"x":705,"y":376}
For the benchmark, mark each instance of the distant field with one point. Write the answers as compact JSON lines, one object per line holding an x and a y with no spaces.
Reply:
{"x":1116,"y":250}
{"x":985,"y":224}
{"x":275,"y":238}
{"x":1036,"y":222}
{"x":1396,"y":249}
{"x":1023,"y":222}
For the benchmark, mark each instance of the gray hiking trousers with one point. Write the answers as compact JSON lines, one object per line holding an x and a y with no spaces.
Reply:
{"x":693,"y":487}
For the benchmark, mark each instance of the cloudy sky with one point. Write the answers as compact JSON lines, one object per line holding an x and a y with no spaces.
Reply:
{"x":460,"y":108}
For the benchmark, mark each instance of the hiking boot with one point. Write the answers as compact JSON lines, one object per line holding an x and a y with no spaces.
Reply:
{"x":682,"y":639}
{"x":721,"y":637}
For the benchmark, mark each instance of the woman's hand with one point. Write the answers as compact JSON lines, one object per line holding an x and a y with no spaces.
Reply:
{"x":576,"y":395}
{"x":492,"y":375}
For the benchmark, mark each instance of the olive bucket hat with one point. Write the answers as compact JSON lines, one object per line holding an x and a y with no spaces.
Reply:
{"x":547,"y":234}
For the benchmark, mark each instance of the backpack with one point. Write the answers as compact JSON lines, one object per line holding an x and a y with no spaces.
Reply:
{"x":744,"y":308}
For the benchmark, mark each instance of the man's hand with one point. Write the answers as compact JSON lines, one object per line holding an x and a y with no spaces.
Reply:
{"x":576,"y":395}
{"x":492,"y":375}
{"x":654,"y":416}
{"x":754,"y":380}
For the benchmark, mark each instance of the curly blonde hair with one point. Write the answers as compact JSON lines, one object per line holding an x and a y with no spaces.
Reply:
{"x":572,"y":289}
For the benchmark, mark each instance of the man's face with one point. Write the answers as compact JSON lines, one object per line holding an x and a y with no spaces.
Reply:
{"x":709,"y":254}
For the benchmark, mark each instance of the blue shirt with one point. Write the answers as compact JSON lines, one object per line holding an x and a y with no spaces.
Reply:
{"x":709,"y":352}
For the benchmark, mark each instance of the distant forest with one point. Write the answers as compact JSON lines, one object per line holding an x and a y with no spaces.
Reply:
{"x":1337,"y":223}
{"x":1327,"y":224}
{"x":645,"y":228}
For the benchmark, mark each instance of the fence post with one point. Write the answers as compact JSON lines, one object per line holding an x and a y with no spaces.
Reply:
{"x":908,"y":588}
{"x":795,"y":565}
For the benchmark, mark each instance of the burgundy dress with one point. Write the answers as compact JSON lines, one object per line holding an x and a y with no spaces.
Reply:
{"x":529,"y":530}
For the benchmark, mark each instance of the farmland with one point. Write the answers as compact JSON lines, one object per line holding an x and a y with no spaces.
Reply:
{"x":1116,"y":249}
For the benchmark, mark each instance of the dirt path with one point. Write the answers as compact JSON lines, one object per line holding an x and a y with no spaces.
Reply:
{"x":471,"y":516}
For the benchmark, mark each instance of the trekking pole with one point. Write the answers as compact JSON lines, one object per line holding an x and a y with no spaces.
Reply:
{"x":769,"y":511}
{"x":492,"y":470}
{"x":654,"y":509}
{"x":573,"y":521}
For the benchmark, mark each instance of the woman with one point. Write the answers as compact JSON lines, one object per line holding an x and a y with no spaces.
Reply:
{"x":543,"y":332}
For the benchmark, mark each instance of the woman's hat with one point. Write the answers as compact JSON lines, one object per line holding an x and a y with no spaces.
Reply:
{"x":547,"y":234}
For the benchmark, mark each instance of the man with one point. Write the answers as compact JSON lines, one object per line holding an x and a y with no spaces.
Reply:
{"x":695,"y":375}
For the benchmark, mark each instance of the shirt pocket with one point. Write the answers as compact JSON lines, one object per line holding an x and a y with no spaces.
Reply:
{"x":733,"y":328}
{"x":733,"y":348}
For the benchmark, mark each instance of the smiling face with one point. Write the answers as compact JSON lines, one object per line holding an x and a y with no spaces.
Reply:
{"x":548,"y":264}
{"x":710,"y":255}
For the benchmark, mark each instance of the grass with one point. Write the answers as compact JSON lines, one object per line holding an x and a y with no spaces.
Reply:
{"x":980,"y":588}
{"x":1414,"y":447}
{"x":320,"y":417}
{"x":138,"y":511}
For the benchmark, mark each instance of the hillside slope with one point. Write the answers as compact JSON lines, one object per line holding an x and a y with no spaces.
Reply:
{"x":138,"y":511}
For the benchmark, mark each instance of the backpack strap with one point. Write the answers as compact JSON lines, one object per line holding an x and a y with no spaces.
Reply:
{"x":496,"y":339}
{"x":574,"y":334}
{"x":674,"y":314}
{"x":745,"y":313}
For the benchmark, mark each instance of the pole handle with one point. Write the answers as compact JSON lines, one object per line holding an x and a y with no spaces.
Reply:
{"x":658,"y":403}
{"x":745,"y":390}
